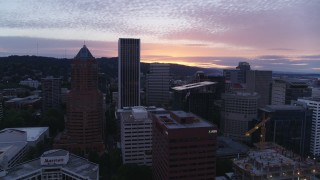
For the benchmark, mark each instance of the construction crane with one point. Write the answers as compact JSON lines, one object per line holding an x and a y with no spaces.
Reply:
{"x":262,"y":132}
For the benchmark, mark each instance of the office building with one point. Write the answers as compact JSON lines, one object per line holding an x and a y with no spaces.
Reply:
{"x":237,"y":112}
{"x":197,"y":98}
{"x":51,"y":93}
{"x":1,"y":107}
{"x":237,"y":75}
{"x":54,"y":164}
{"x":286,"y":90}
{"x":158,"y":85}
{"x":84,"y":127}
{"x":136,"y":134}
{"x":30,"y":83}
{"x":289,"y":126}
{"x":183,"y":147}
{"x":128,"y":72}
{"x":314,"y":104}
{"x":260,"y":82}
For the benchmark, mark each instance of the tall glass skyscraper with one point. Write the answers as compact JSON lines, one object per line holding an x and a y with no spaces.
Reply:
{"x":128,"y":72}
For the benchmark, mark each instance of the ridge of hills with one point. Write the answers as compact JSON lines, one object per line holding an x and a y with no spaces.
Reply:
{"x":35,"y":66}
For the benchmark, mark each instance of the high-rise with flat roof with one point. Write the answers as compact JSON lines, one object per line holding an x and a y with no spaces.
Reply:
{"x":183,"y":147}
{"x":1,"y":108}
{"x":136,"y":134}
{"x":84,"y":128}
{"x":286,"y":90}
{"x":128,"y":72}
{"x":314,"y":104}
{"x":158,"y":84}
{"x":260,"y":81}
{"x":237,"y":112}
{"x":51,"y":92}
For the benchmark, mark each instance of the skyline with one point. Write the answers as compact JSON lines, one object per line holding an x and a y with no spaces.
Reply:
{"x":271,"y":35}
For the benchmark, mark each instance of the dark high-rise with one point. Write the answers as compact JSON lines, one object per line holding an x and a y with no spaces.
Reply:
{"x":51,"y":92}
{"x":128,"y":72}
{"x":84,"y":128}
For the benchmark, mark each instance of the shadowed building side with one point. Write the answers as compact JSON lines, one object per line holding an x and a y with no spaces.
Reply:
{"x":84,"y":130}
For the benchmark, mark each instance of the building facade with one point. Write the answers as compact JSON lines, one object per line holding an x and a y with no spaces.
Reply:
{"x":260,"y":81}
{"x":183,"y":147}
{"x":289,"y":126}
{"x":237,"y":112}
{"x":128,"y":72}
{"x":158,"y":85}
{"x":136,"y":134}
{"x":84,"y":128}
{"x":51,"y":92}
{"x":1,"y":107}
{"x":286,"y":90}
{"x":314,"y":104}
{"x":237,"y":75}
{"x":197,"y":98}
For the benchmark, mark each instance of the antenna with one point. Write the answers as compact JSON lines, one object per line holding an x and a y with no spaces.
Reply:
{"x":37,"y":48}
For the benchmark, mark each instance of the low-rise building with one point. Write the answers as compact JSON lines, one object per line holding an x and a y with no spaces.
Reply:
{"x":15,"y":142}
{"x":54,"y":164}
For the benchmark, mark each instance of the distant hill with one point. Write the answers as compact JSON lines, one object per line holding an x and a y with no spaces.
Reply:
{"x":35,"y":67}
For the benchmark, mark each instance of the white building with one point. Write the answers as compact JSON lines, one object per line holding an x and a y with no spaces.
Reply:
{"x":54,"y":164}
{"x":136,"y":134}
{"x":30,"y":83}
{"x":314,"y":104}
{"x":15,"y":142}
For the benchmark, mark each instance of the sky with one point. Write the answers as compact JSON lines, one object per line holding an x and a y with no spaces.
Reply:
{"x":278,"y":35}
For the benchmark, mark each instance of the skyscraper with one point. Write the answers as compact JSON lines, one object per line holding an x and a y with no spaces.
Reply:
{"x":314,"y":104}
{"x":51,"y":92}
{"x":237,"y":112}
{"x":84,"y":128}
{"x":128,"y":72}
{"x":158,"y":84}
{"x":260,"y":82}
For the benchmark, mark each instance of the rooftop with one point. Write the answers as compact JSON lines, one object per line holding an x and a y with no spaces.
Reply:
{"x":76,"y":165}
{"x":193,"y":85}
{"x":272,"y":108}
{"x":170,"y":123}
{"x":84,"y":54}
{"x":10,"y":149}
{"x":33,"y":133}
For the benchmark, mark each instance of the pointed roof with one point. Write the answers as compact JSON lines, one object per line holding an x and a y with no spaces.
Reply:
{"x":84,"y":53}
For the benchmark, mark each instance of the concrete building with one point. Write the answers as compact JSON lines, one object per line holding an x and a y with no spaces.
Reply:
{"x":158,"y":85}
{"x":15,"y":143}
{"x":197,"y":98}
{"x":136,"y":134}
{"x":128,"y":72}
{"x":54,"y":164}
{"x":183,"y":147}
{"x":237,"y":75}
{"x":237,"y":112}
{"x":51,"y":92}
{"x":314,"y":104}
{"x":286,"y":90}
{"x":1,"y":107}
{"x":29,"y":102}
{"x":84,"y":127}
{"x":260,"y":82}
{"x":289,"y":126}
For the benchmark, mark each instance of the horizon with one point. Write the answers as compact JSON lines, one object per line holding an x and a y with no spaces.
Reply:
{"x":270,"y":35}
